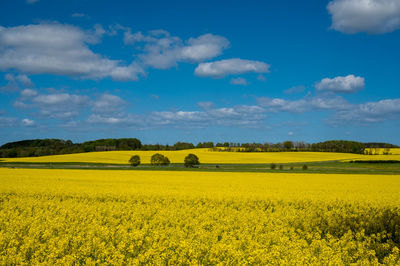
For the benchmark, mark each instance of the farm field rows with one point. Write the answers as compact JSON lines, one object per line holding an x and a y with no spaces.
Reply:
{"x":206,"y":156}
{"x":153,"y":217}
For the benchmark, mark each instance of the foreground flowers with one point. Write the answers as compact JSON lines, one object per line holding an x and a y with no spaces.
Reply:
{"x":134,"y":217}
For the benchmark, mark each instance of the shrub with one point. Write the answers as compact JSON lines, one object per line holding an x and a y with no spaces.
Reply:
{"x":305,"y":167}
{"x":191,"y":160}
{"x":280,"y":167}
{"x":134,"y":160}
{"x":273,"y":166}
{"x":159,"y":159}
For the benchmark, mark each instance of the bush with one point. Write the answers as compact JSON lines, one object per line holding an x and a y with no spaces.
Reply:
{"x":134,"y":160}
{"x":273,"y":166}
{"x":280,"y":167}
{"x":159,"y":159}
{"x":191,"y":160}
{"x":305,"y":167}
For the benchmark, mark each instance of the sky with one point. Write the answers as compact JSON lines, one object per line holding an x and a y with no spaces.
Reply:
{"x":168,"y":71}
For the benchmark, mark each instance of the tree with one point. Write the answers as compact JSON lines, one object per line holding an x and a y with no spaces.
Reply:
{"x":273,"y":166}
{"x":191,"y":160}
{"x":159,"y":159}
{"x":134,"y":160}
{"x":305,"y":167}
{"x":288,"y":145}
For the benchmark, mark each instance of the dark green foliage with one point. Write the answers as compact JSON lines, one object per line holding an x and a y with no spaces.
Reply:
{"x":305,"y":167}
{"x":288,"y":145}
{"x":205,"y":145}
{"x":273,"y":166}
{"x":280,"y":167}
{"x":134,"y":160}
{"x":191,"y":160}
{"x":114,"y":144}
{"x":339,"y":146}
{"x":379,"y":145}
{"x":159,"y":159}
{"x":41,"y":147}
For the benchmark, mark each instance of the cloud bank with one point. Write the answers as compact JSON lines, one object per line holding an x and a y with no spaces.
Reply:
{"x":369,"y":16}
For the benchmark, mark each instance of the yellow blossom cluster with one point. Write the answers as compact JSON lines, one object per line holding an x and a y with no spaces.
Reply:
{"x":206,"y":156}
{"x":65,"y":217}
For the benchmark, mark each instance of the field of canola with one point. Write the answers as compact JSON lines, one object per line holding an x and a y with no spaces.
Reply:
{"x":206,"y":156}
{"x":141,"y":217}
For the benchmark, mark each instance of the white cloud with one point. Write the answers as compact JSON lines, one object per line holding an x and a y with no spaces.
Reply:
{"x":232,"y":66}
{"x":348,"y":84}
{"x":370,"y":16}
{"x":295,"y":89}
{"x":58,"y":105}
{"x":241,"y":115}
{"x":204,"y":47}
{"x":305,"y":104}
{"x":163,"y":51}
{"x":15,"y":82}
{"x":28,"y":93}
{"x":27,"y":122}
{"x":108,"y":104}
{"x":370,"y":112}
{"x":239,"y":81}
{"x":60,"y":50}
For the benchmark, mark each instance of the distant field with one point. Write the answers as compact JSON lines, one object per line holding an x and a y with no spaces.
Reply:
{"x":393,"y":151}
{"x":206,"y":156}
{"x":64,"y":217}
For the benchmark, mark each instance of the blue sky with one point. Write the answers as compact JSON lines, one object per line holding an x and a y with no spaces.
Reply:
{"x":167,"y":71}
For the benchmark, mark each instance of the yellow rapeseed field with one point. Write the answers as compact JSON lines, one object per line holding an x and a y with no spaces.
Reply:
{"x":206,"y":156}
{"x":393,"y":151}
{"x":65,"y":217}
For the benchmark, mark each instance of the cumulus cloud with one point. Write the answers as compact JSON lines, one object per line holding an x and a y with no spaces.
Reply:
{"x":348,"y":84}
{"x":60,"y":50}
{"x":58,"y":105}
{"x":15,"y":82}
{"x":108,"y":104}
{"x":218,"y":69}
{"x":239,"y":81}
{"x":305,"y":104}
{"x":163,"y":51}
{"x":240,"y":115}
{"x":370,"y":112}
{"x":27,"y":122}
{"x":370,"y":16}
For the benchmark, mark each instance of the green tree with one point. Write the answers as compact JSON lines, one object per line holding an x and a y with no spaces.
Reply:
{"x":159,"y":159}
{"x":191,"y":160}
{"x":288,"y":145}
{"x":134,"y":160}
{"x":305,"y":167}
{"x":273,"y":166}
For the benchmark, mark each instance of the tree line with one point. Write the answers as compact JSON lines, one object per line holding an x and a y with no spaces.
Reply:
{"x":42,"y":147}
